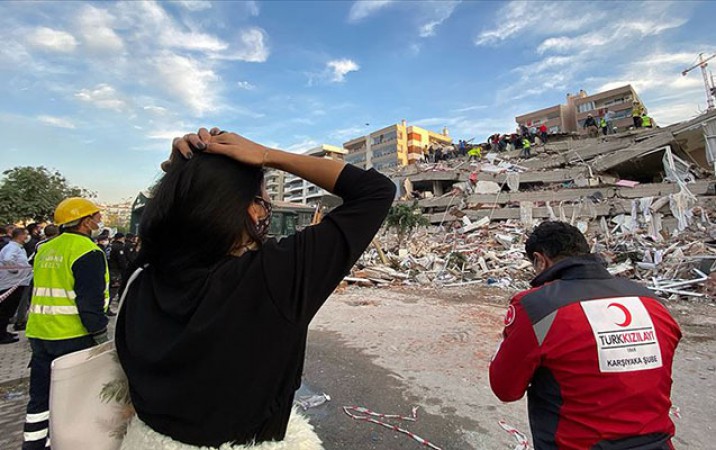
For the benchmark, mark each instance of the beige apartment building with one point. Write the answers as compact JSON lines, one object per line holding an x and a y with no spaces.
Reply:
{"x":298,"y":190}
{"x":274,"y":180}
{"x":619,"y":101}
{"x":557,"y":118}
{"x":570,"y":117}
{"x":393,"y":146}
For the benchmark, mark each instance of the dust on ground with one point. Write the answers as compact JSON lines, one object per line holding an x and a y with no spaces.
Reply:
{"x":437,"y":344}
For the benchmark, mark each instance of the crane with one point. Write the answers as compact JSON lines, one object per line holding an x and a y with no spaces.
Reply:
{"x":709,"y":85}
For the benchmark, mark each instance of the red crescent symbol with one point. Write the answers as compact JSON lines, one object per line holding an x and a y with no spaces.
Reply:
{"x":627,"y":314}
{"x":510,"y":315}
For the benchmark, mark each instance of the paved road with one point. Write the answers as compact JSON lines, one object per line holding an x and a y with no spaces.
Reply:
{"x":348,"y":376}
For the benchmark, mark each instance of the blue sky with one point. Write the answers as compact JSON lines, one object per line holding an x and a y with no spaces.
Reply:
{"x":97,"y":90}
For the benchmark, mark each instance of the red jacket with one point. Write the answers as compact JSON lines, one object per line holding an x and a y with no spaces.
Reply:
{"x":594,"y":355}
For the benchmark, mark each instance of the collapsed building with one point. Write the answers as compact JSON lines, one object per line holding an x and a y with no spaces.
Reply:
{"x":645,"y":198}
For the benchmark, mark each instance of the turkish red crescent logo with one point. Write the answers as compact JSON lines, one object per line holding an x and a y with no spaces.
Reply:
{"x":510,"y":316}
{"x":627,"y":314}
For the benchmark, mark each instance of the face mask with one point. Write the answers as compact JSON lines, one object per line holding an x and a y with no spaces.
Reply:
{"x":28,"y":238}
{"x":100,"y":228}
{"x":263,"y":224}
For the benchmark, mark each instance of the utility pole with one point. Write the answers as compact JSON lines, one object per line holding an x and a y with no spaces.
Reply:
{"x":709,"y":85}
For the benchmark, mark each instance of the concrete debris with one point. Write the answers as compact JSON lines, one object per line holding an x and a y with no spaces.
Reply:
{"x":645,"y":199}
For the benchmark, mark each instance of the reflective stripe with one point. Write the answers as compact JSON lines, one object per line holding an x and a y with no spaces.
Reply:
{"x":39,"y":417}
{"x":35,"y":435}
{"x":53,"y":293}
{"x":53,"y":310}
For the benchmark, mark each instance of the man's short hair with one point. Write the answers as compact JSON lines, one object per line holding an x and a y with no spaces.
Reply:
{"x":556,"y":240}
{"x":51,"y":230}
{"x":18,"y":232}
{"x":31,"y":227}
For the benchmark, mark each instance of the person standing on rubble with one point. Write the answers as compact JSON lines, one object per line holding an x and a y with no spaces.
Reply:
{"x":591,"y":126}
{"x":212,"y":335}
{"x":636,"y":111}
{"x":609,"y":118}
{"x":593,"y":352}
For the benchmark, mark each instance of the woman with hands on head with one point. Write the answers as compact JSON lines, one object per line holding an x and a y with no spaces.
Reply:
{"x":212,"y":335}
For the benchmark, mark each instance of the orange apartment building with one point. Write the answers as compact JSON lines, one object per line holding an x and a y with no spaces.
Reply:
{"x":393,"y":146}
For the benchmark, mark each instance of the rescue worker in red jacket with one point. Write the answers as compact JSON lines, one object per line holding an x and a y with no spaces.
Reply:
{"x":593,"y":352}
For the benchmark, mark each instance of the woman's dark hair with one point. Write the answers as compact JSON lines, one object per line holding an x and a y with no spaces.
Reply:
{"x":198,"y":212}
{"x":556,"y":240}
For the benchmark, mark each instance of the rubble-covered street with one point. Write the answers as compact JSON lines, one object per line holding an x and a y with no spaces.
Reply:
{"x":427,"y":347}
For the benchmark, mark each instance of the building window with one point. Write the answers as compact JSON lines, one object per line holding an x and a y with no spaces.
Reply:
{"x":384,"y":152}
{"x":584,"y":107}
{"x":615,"y":101}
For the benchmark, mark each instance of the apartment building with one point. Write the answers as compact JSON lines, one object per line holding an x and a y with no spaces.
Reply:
{"x":570,"y":116}
{"x":393,"y":146}
{"x":274,"y":184}
{"x":298,"y":190}
{"x":557,"y":118}
{"x":619,"y":101}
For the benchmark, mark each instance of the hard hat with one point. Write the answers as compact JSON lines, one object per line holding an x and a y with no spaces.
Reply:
{"x":74,"y":208}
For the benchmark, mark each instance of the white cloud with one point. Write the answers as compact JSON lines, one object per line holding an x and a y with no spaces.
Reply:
{"x":251,"y":46}
{"x":59,"y":122}
{"x":345,"y":134}
{"x":52,"y":40}
{"x":364,"y":8}
{"x":438,"y":13}
{"x":188,"y":80}
{"x":96,"y":30}
{"x":102,"y":96}
{"x":195,"y":5}
{"x":519,"y":17}
{"x":166,"y":135}
{"x":471,"y":108}
{"x":155,"y":109}
{"x":302,"y":145}
{"x":245,"y":85}
{"x":253,"y":8}
{"x":607,"y":44}
{"x":339,"y":68}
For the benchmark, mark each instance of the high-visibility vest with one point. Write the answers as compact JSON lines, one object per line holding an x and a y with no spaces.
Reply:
{"x":526,"y":143}
{"x":602,"y":123}
{"x":53,"y":311}
{"x":636,"y":111}
{"x":475,"y":151}
{"x":645,"y":121}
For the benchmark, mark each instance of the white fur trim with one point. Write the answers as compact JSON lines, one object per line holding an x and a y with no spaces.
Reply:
{"x":299,"y":436}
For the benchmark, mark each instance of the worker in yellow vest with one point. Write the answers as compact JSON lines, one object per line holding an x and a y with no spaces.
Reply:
{"x":646,"y":121}
{"x":636,"y":111}
{"x":526,"y":148}
{"x":69,"y":302}
{"x":475,"y":153}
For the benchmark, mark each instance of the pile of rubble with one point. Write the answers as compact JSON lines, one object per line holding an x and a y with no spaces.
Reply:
{"x":644,"y":198}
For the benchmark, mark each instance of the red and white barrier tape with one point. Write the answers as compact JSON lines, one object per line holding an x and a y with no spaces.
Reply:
{"x":366,"y":415}
{"x":8,"y":293}
{"x":522,"y":442}
{"x":675,"y":412}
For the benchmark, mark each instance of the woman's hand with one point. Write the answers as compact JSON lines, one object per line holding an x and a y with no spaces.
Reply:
{"x":217,"y":142}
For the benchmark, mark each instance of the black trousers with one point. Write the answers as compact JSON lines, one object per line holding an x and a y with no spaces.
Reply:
{"x":37,"y":421}
{"x":8,"y":308}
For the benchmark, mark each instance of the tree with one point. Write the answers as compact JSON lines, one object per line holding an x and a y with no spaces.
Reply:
{"x":404,"y":219}
{"x":32,"y":193}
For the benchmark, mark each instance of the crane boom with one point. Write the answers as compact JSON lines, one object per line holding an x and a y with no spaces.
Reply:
{"x":710,"y":90}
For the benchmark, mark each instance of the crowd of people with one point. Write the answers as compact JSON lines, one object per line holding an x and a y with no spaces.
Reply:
{"x":18,"y":247}
{"x":212,"y":334}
